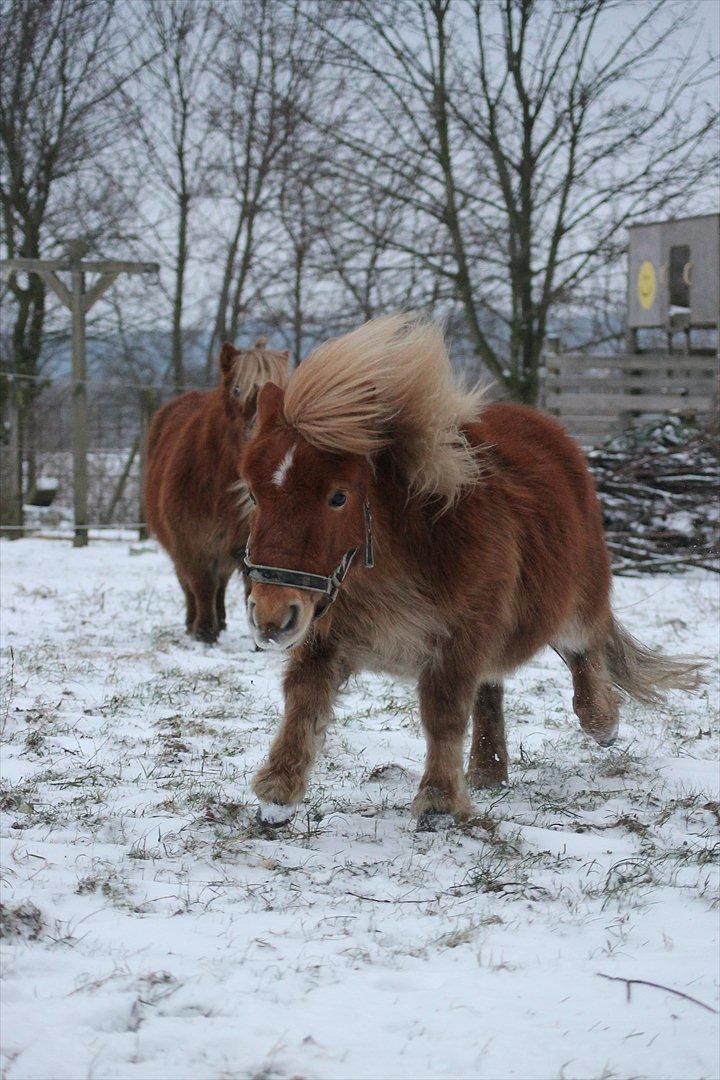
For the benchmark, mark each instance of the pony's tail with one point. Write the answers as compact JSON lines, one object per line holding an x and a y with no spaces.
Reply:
{"x":646,"y":675}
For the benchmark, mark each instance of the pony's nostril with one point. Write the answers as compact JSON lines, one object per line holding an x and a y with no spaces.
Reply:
{"x":292,"y":618}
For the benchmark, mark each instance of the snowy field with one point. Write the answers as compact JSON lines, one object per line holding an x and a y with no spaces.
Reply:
{"x":151,"y":932}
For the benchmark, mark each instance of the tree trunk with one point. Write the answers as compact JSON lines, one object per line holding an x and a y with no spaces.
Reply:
{"x":242,"y":278}
{"x":463,"y":281}
{"x":219,"y":333}
{"x":149,"y":402}
{"x":298,"y":308}
{"x":178,"y":365}
{"x":117,"y":494}
{"x":26,"y":347}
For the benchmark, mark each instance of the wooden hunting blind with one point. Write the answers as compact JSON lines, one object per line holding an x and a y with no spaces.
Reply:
{"x":674,"y":275}
{"x":673,"y":287}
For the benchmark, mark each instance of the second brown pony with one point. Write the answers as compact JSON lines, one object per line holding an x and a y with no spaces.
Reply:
{"x":193,"y":502}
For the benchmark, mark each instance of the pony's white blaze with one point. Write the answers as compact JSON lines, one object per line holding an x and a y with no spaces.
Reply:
{"x":284,"y":467}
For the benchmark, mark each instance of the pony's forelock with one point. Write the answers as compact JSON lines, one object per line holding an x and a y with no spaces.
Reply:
{"x":389,"y":384}
{"x":257,"y":365}
{"x":252,"y":368}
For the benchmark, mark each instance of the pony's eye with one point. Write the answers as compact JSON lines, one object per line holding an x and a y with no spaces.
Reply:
{"x":236,"y":391}
{"x":252,"y":498}
{"x":338,"y":498}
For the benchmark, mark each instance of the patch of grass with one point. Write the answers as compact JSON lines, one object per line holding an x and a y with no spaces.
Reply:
{"x":105,"y":880}
{"x":625,"y":882}
{"x":22,"y":921}
{"x":461,"y":935}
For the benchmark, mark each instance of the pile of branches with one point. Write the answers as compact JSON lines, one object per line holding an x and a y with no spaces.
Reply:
{"x":659,"y":486}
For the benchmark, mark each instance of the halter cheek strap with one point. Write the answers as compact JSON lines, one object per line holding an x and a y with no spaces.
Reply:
{"x":299,"y":579}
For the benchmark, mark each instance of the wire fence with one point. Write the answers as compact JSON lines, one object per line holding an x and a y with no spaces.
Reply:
{"x":41,"y":449}
{"x":42,"y":380}
{"x":41,"y":457}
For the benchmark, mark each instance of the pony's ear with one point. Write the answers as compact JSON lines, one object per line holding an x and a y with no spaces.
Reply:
{"x":269,"y":404}
{"x":260,"y":343}
{"x":228,"y":353}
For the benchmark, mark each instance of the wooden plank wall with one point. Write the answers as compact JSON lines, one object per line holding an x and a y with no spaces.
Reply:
{"x":595,"y":396}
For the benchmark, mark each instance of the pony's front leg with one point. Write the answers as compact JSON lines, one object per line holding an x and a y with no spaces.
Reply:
{"x":310,"y":687}
{"x":446,"y":696}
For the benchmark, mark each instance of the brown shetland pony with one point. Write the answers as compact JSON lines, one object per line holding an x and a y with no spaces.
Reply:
{"x":194,"y":503}
{"x":488,"y":546}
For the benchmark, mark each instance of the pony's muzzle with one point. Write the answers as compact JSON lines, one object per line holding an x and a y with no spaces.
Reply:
{"x":279,"y":617}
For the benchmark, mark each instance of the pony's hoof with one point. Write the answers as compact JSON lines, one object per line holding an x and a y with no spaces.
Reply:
{"x":434,"y":821}
{"x":487,"y":779}
{"x":273,"y":815}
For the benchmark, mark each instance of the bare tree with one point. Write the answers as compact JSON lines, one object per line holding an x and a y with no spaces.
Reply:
{"x":532,"y":134}
{"x":360,"y":233}
{"x":170,"y":108}
{"x":63,"y":63}
{"x":269,"y":65}
{"x":300,"y":215}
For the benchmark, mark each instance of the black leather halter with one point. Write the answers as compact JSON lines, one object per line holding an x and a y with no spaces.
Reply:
{"x":299,"y":579}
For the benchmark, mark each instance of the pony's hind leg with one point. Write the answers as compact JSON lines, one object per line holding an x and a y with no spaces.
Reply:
{"x":203,"y":584}
{"x":595,"y":701}
{"x":190,"y":605}
{"x":488,"y":765}
{"x":220,"y":601}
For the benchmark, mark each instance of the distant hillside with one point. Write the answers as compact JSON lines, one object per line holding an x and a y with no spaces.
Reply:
{"x":145,"y":354}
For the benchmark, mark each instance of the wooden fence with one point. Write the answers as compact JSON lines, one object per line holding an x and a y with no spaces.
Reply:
{"x":595,"y":396}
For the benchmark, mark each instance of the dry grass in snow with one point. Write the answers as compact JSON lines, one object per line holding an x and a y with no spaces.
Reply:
{"x":150,"y":931}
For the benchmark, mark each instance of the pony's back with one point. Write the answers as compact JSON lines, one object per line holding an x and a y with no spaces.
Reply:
{"x":171,"y":416}
{"x":538,"y":485}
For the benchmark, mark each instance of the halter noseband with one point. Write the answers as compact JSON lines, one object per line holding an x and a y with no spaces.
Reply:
{"x":299,"y":579}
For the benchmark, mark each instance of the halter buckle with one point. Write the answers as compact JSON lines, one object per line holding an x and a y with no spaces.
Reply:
{"x":369,"y":546}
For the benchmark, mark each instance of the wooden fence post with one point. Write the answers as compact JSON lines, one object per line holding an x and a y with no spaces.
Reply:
{"x":79,"y":410}
{"x":11,"y":501}
{"x":148,"y":406}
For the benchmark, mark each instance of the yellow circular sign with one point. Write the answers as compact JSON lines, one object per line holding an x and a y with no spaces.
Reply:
{"x":646,"y":285}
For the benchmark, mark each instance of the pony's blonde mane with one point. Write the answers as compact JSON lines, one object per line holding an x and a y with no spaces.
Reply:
{"x":257,"y":365}
{"x":389,"y":384}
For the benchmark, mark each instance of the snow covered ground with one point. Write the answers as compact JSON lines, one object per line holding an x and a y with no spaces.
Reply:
{"x":152,"y":932}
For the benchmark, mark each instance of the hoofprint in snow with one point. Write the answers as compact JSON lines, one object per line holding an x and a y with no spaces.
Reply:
{"x":152,"y":930}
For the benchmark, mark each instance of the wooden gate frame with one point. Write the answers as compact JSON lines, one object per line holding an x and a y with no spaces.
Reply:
{"x":79,"y":300}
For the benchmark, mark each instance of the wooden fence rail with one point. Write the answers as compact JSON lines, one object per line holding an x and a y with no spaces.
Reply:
{"x":595,"y":396}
